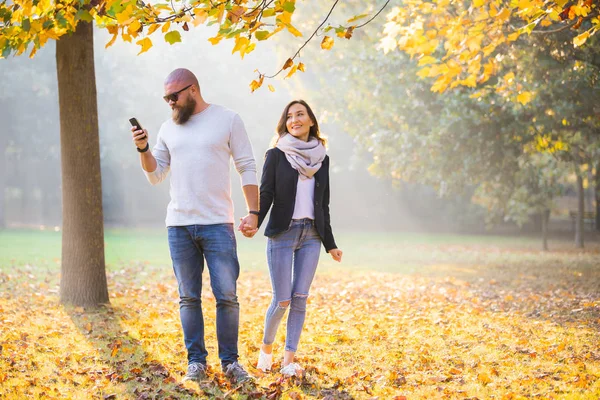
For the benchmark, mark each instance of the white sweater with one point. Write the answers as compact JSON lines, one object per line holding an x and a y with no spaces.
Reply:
{"x":198,"y":155}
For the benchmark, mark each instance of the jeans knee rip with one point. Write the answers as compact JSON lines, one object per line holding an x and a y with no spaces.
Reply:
{"x":284,"y":304}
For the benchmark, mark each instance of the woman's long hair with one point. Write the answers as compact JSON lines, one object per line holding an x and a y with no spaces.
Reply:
{"x":282,"y":126}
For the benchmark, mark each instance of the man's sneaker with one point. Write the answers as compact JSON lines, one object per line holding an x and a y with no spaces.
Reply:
{"x":237,"y":373}
{"x":196,"y":372}
{"x":292,"y":369}
{"x":265,"y":361}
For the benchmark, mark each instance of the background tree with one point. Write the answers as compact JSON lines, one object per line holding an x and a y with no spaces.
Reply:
{"x":461,"y":141}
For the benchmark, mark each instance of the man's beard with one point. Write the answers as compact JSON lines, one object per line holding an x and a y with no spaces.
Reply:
{"x":182,"y":114}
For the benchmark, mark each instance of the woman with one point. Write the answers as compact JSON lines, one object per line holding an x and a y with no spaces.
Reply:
{"x":295,"y":181}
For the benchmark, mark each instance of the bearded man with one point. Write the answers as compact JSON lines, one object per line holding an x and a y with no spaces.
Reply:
{"x":196,"y":146}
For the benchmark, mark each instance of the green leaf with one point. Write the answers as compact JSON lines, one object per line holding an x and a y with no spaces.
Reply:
{"x":84,"y":15}
{"x":116,"y":8}
{"x":6,"y":15}
{"x":6,"y":51}
{"x":261,"y":35}
{"x":173,"y":37}
{"x":62,"y":21}
{"x":235,"y":33}
{"x":357,"y":17}
{"x":26,"y":24}
{"x":268,"y":13}
{"x":289,"y":6}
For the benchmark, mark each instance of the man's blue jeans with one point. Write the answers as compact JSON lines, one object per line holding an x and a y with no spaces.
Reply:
{"x":189,"y":246}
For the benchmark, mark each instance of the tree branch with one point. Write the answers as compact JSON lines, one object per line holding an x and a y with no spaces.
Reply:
{"x":317,"y":30}
{"x":374,"y":16}
{"x":309,"y":39}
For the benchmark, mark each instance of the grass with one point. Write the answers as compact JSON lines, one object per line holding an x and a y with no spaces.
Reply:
{"x":419,"y":316}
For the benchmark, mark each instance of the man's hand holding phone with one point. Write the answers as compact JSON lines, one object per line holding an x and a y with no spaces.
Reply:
{"x":140,"y":136}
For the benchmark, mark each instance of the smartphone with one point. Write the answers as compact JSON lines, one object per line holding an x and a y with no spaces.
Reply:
{"x":134,"y":122}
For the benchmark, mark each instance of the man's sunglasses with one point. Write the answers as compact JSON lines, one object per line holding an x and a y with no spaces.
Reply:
{"x":175,"y":96}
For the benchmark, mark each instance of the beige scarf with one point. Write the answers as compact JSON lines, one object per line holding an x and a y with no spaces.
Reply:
{"x":304,"y":157}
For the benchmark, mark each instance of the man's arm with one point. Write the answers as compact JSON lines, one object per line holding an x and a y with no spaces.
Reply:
{"x":148,"y":161}
{"x":243,"y":158}
{"x":156,"y":168}
{"x":249,"y":224}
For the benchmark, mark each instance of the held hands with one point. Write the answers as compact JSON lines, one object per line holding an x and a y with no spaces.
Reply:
{"x":248,"y":225}
{"x":336,"y":254}
{"x":140,"y":137}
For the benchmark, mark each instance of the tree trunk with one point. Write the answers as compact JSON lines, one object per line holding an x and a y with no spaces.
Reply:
{"x":83,"y":276}
{"x":597,"y":192}
{"x":579,"y":228}
{"x":545,"y":221}
{"x":3,"y":168}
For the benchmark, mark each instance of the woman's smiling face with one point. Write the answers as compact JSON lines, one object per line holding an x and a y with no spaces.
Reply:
{"x":298,"y":122}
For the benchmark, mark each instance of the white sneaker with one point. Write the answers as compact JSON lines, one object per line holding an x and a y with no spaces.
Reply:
{"x":292,"y":369}
{"x":265,"y":361}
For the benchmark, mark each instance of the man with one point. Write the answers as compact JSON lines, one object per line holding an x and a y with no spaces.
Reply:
{"x":196,"y":145}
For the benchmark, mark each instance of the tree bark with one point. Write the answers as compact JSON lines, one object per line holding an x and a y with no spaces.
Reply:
{"x":83,"y":275}
{"x":545,"y":221}
{"x":3,"y":179}
{"x":597,"y":193}
{"x":579,"y":228}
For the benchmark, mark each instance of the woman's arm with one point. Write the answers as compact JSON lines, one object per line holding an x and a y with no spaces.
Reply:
{"x":267,"y":185}
{"x":329,"y":241}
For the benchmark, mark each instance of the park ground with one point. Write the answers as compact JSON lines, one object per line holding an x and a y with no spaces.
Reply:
{"x":405,"y":316}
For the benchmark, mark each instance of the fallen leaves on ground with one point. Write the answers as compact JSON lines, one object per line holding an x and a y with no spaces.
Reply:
{"x":367,"y":335}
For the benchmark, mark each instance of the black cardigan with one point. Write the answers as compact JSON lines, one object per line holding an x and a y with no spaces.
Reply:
{"x":278,"y":188}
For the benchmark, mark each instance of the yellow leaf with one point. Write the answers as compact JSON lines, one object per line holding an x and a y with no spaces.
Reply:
{"x":484,"y":378}
{"x":294,"y":31}
{"x":200,"y":16}
{"x":240,"y":43}
{"x":301,"y":67}
{"x":146,"y":43}
{"x":431,"y":34}
{"x":166,"y":27}
{"x":327,"y":43}
{"x":134,"y":27}
{"x":478,"y":3}
{"x":255,"y":84}
{"x":504,"y":14}
{"x":124,"y":16}
{"x":513,"y":36}
{"x":470,"y":81}
{"x":580,"y":39}
{"x":524,"y":97}
{"x":215,"y":40}
{"x":112,"y":41}
{"x":152,"y":28}
{"x":426,"y":60}
{"x":292,"y":71}
{"x":271,"y":88}
{"x":423,"y":72}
